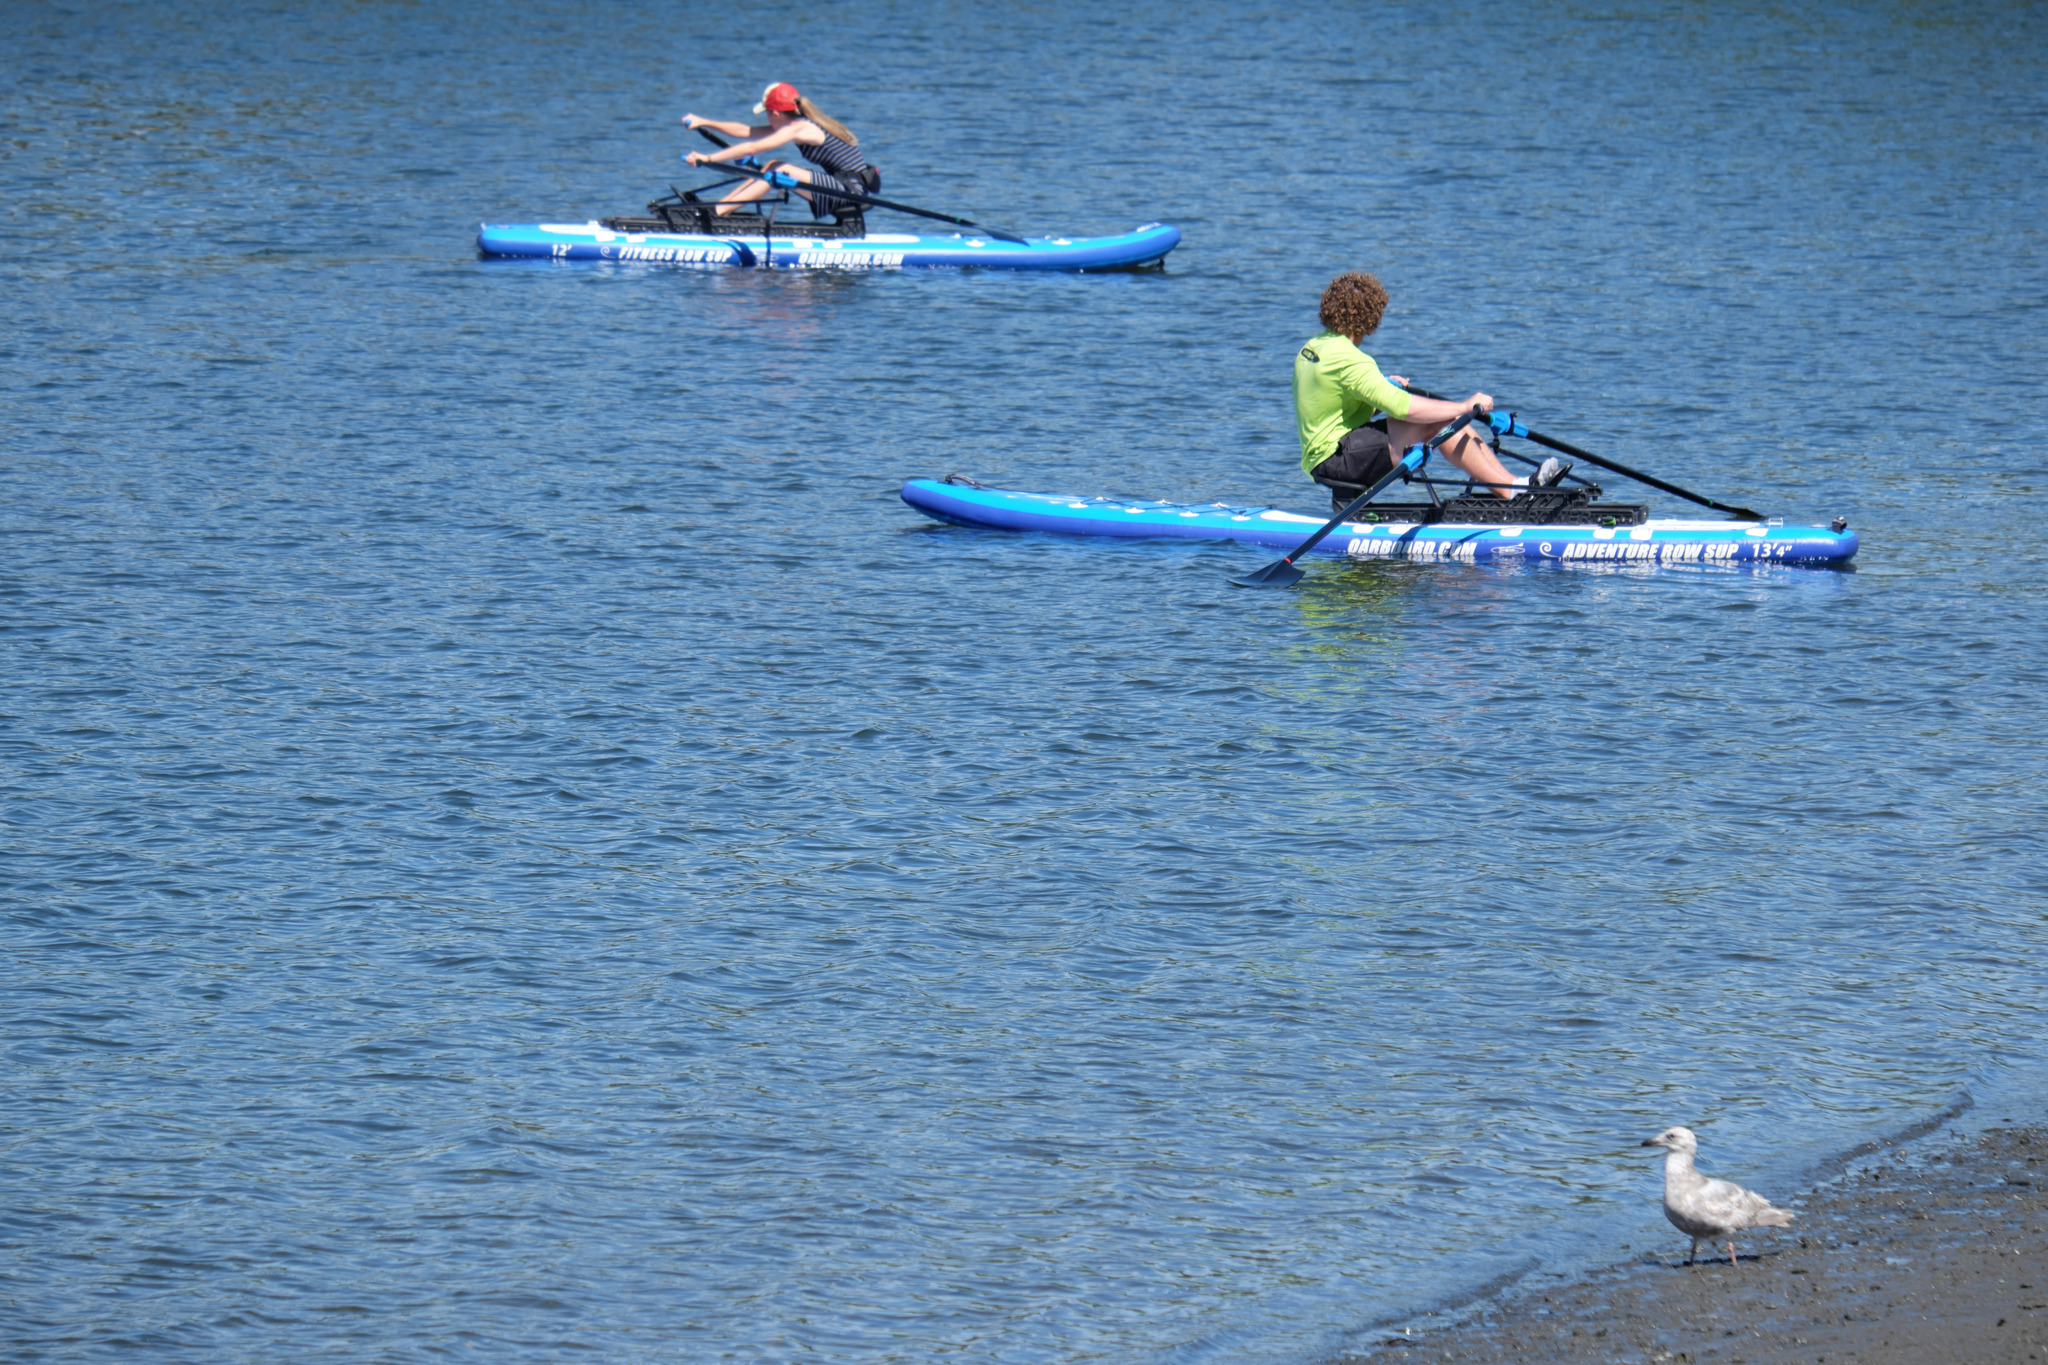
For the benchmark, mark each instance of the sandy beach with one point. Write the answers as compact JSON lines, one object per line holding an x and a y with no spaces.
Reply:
{"x":1930,"y":1250}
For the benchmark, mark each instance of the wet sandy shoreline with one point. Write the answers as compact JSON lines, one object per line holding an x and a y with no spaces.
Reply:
{"x":1934,"y":1249}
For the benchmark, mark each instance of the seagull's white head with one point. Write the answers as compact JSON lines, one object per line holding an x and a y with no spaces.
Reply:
{"x":1677,"y":1139}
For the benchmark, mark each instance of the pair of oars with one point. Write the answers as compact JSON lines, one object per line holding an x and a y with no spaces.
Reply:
{"x":1282,"y":573}
{"x":790,"y":182}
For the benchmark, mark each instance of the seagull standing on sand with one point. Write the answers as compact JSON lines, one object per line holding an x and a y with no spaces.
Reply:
{"x":1713,"y":1209}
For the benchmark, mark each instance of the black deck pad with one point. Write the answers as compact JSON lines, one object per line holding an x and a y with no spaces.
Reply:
{"x":1538,"y":507}
{"x":699,"y":218}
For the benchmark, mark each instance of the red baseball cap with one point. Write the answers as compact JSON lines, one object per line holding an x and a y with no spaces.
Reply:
{"x":781,"y":97}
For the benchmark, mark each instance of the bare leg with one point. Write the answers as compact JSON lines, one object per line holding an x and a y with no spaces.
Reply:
{"x":1470,"y":454}
{"x":739,"y":194}
{"x":756,"y":189}
{"x":1731,"y":1255}
{"x":795,"y":172}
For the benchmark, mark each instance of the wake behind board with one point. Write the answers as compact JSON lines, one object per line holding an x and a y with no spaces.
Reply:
{"x":1588,"y":534}
{"x":817,"y":247}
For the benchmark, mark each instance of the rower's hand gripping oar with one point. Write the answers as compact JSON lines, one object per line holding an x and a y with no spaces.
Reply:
{"x":1282,"y":573}
{"x":720,"y":143}
{"x":1506,"y":425}
{"x":792,"y":183}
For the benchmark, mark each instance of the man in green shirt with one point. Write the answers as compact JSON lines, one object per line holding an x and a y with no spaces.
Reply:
{"x":1337,"y":388}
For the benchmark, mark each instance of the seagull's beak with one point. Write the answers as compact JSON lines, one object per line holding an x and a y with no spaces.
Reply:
{"x":1651,"y":1142}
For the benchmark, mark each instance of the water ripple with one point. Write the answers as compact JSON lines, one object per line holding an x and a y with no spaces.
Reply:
{"x":517,"y":843}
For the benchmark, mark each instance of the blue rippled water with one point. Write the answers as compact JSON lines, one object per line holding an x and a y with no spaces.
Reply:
{"x":518,"y":845}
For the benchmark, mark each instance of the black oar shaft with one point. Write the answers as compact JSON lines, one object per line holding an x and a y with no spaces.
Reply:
{"x":1563,"y":448}
{"x":1401,"y":466}
{"x":859,"y":198}
{"x":1282,"y":572}
{"x":873,"y":202}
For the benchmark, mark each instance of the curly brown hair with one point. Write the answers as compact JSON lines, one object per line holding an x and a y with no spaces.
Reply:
{"x":1354,"y":304}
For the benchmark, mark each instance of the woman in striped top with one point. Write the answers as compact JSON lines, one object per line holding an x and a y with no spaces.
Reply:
{"x":821,"y":140}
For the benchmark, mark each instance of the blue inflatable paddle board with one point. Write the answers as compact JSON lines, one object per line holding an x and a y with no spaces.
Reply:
{"x":1648,"y":542}
{"x":790,"y":249}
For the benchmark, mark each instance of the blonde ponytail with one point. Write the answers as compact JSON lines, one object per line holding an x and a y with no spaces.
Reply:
{"x":826,"y":122}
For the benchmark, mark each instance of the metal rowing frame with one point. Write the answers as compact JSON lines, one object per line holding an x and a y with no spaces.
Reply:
{"x":1551,"y":506}
{"x":683,"y":211}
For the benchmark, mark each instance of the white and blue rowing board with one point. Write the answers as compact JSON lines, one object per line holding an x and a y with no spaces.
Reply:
{"x":876,"y":251}
{"x":1653,"y":542}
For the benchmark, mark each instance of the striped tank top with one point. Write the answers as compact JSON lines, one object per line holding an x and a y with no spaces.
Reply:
{"x":837,"y":157}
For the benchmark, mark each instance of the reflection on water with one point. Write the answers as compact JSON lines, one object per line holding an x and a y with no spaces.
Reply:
{"x":1348,"y":612}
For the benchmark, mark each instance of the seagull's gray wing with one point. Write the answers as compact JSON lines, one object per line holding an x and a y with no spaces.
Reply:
{"x":1727,"y":1205}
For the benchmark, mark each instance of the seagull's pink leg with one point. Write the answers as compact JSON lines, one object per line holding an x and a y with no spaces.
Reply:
{"x":1731,"y":1253}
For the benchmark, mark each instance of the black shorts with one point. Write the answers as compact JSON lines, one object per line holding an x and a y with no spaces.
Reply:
{"x":1362,"y":456}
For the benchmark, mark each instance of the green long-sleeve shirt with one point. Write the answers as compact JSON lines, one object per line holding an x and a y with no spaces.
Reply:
{"x":1337,"y":387}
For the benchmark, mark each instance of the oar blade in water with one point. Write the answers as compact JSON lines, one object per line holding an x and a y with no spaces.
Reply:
{"x":1281,"y":573}
{"x":1278,"y":574}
